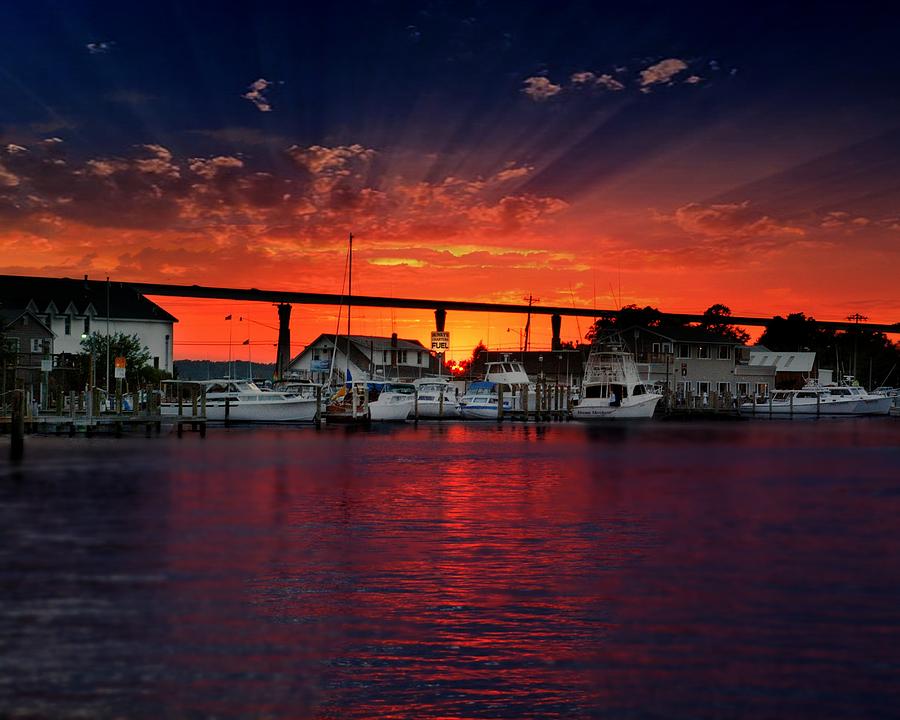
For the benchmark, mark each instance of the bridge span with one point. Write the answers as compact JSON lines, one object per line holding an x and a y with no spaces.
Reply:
{"x":284,"y":299}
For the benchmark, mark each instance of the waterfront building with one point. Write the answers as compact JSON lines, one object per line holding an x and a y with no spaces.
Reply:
{"x":70,"y":308}
{"x":370,"y":356}
{"x":692,"y":361}
{"x":27,"y":350}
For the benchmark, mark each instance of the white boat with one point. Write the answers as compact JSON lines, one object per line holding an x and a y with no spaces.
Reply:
{"x":436,"y":398}
{"x":482,"y":398}
{"x":612,"y":388}
{"x":246,"y":402}
{"x":816,"y":400}
{"x":394,"y":401}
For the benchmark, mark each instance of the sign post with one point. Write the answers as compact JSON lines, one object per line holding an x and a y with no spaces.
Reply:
{"x":120,"y":375}
{"x":440,"y":343}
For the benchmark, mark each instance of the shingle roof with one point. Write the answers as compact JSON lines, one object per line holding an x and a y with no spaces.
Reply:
{"x":124,"y":301}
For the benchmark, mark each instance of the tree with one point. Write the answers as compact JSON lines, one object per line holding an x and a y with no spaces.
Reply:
{"x":137,"y":355}
{"x":626,"y":317}
{"x":715,"y":322}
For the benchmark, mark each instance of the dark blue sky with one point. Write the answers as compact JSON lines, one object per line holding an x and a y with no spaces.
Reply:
{"x":631,"y":136}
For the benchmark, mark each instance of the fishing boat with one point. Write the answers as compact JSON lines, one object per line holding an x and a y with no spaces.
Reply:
{"x":436,"y":398}
{"x":818,"y":400}
{"x":612,"y":388}
{"x":390,"y":401}
{"x":482,"y":399}
{"x":243,"y":401}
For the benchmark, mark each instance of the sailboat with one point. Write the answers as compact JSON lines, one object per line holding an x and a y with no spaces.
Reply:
{"x":350,"y":403}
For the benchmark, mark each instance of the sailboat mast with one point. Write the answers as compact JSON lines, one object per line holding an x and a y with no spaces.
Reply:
{"x":350,"y":286}
{"x":349,"y":296}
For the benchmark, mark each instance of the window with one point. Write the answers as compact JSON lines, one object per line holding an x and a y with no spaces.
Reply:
{"x":401,"y":357}
{"x":419,"y":357}
{"x":723,"y":389}
{"x":384,"y":357}
{"x":762,"y":389}
{"x":703,"y":352}
{"x":685,"y":388}
{"x":87,"y":325}
{"x":724,"y":352}
{"x":684,"y":350}
{"x":743,"y":389}
{"x":703,"y":388}
{"x":37,"y":345}
{"x":315,"y":355}
{"x":655,"y":348}
{"x":12,"y":344}
{"x":667,"y":347}
{"x":67,"y":323}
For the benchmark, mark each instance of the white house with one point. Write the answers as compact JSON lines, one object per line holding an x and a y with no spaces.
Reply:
{"x":369,"y":357}
{"x":71,"y":308}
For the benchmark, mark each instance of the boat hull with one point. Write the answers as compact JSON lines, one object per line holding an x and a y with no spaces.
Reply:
{"x":637,"y":408}
{"x":290,"y":410}
{"x":483,"y":411}
{"x":858,"y":407}
{"x":390,"y":411}
{"x":431,"y":410}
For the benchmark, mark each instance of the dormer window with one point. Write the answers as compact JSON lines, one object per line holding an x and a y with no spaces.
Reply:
{"x":67,"y":323}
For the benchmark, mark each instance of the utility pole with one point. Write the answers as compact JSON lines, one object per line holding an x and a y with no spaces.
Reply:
{"x":530,"y":300}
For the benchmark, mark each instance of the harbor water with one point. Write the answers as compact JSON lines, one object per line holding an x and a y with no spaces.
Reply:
{"x":662,"y":570}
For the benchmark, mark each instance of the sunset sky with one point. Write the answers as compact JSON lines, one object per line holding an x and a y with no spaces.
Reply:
{"x":589,"y":154}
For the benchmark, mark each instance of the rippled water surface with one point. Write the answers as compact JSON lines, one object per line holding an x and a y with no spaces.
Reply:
{"x":661,"y":570}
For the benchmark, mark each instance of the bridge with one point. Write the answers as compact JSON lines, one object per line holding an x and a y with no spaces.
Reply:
{"x":284,"y":299}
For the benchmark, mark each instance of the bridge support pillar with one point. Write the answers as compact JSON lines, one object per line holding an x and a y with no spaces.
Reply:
{"x":283,"y":356}
{"x":556,"y":325}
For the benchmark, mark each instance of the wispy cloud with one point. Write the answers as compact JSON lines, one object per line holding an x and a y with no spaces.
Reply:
{"x":539,"y":88}
{"x":730,"y":220}
{"x":100,"y":48}
{"x":255,"y":94}
{"x":661,"y":72}
{"x":610,"y":83}
{"x":586,"y":78}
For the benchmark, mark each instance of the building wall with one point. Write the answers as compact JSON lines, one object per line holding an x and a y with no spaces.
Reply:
{"x":155,"y":334}
{"x":415,"y":363}
{"x":700,"y":368}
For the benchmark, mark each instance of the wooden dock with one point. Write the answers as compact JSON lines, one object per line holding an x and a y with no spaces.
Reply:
{"x":82,"y":413}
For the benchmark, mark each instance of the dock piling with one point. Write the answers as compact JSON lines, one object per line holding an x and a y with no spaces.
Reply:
{"x":17,"y":444}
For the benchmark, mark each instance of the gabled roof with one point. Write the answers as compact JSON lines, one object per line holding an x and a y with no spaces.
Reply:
{"x":361,"y":345}
{"x":10,"y":315}
{"x":784,"y":361}
{"x":125,"y":303}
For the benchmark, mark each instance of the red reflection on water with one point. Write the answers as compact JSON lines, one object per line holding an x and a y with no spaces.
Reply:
{"x":461,"y":572}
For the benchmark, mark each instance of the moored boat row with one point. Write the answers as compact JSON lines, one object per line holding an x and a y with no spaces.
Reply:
{"x":612,"y":389}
